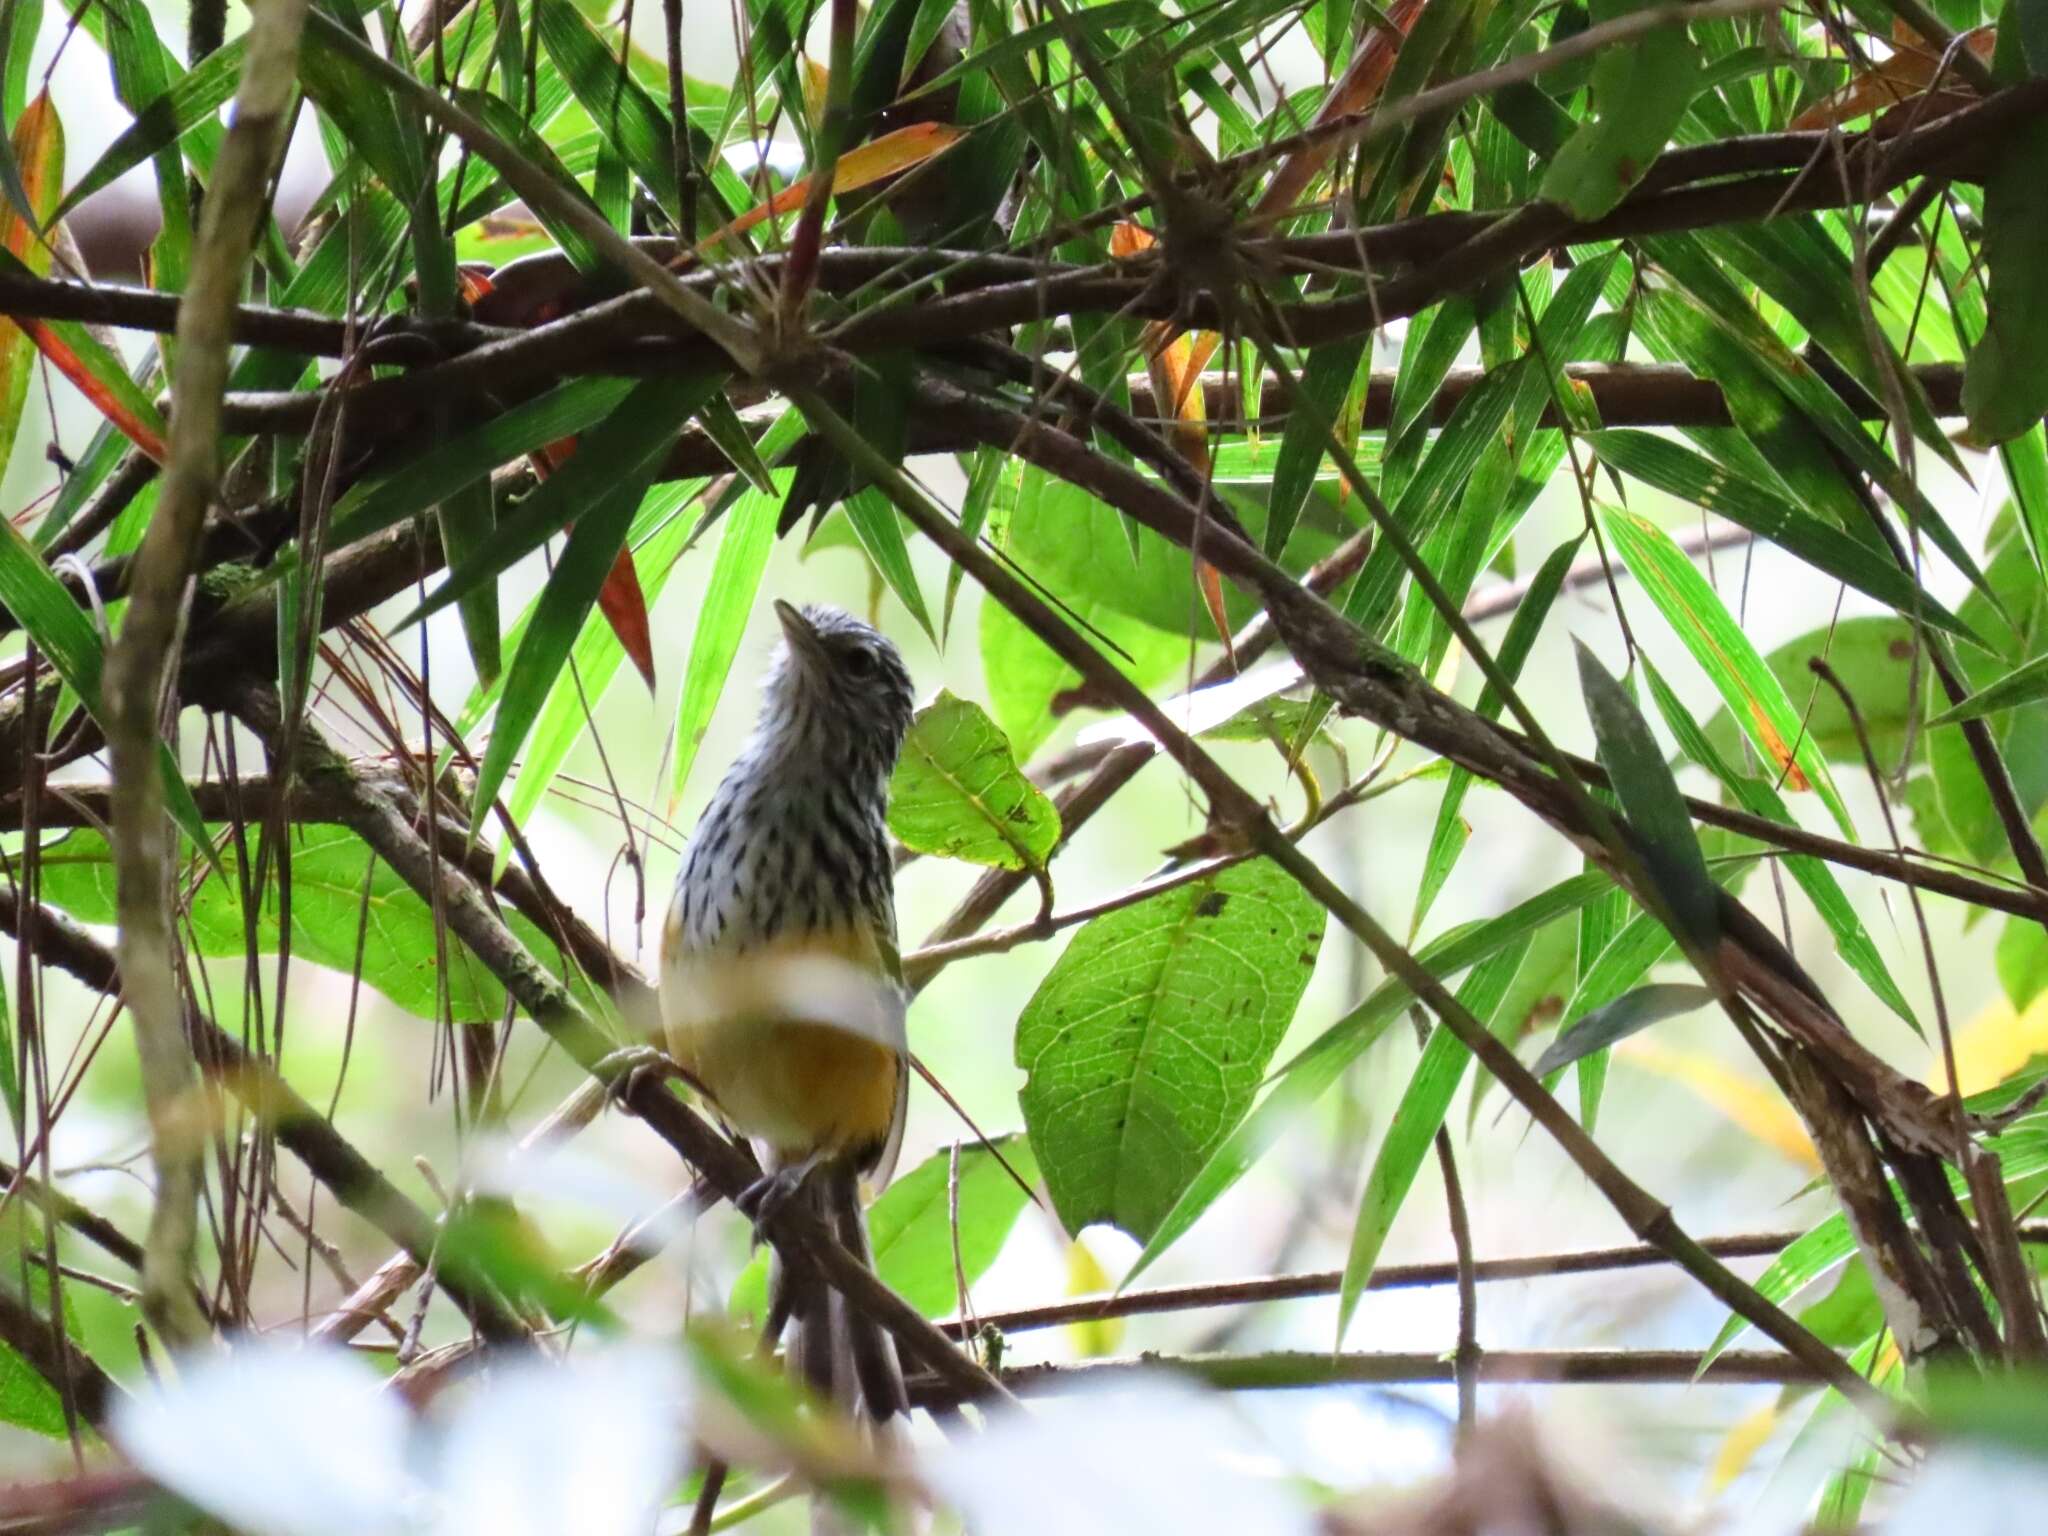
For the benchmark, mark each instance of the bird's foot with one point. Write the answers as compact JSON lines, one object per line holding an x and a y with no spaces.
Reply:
{"x":627,"y":1070}
{"x":760,"y":1200}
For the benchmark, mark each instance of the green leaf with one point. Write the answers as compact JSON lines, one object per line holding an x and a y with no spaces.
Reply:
{"x":911,"y":1225}
{"x":1022,"y":44}
{"x":1145,"y":1045}
{"x":1873,"y":656}
{"x":1649,"y":795}
{"x":565,"y":603}
{"x":437,"y":472}
{"x":1025,"y":677}
{"x":1759,"y":798}
{"x":628,"y":445}
{"x":63,"y":633}
{"x":1679,"y":471}
{"x":625,"y":115}
{"x":958,"y":793}
{"x":192,"y":102}
{"x":595,"y":660}
{"x":2025,"y":684}
{"x":339,"y":889}
{"x":1448,"y":838}
{"x":1640,"y":91}
{"x":1305,"y":1078}
{"x":722,"y":620}
{"x":1418,"y":1117}
{"x":2022,"y":959}
{"x":1703,"y":273}
{"x":722,"y":424}
{"x":2005,"y":388}
{"x":1325,"y":379}
{"x":507,"y":124}
{"x":1702,"y":621}
{"x":880,"y":531}
{"x":1632,"y":1011}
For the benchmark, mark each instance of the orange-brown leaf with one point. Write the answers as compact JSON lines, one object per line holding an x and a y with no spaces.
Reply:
{"x":138,"y":430}
{"x":1174,"y":362}
{"x":620,"y":599}
{"x":624,"y":606}
{"x":1358,"y":88}
{"x":891,"y":153}
{"x":1909,"y":71}
{"x":1781,"y":753}
{"x":39,"y":161}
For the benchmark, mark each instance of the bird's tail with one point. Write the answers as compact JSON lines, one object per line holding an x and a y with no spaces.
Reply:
{"x":845,"y":1357}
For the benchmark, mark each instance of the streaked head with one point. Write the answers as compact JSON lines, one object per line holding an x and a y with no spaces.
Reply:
{"x":839,"y":676}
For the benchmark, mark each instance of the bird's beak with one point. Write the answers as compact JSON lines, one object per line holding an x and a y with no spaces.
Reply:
{"x":803,"y":640}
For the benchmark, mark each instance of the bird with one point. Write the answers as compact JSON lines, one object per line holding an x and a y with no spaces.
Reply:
{"x":781,"y":990}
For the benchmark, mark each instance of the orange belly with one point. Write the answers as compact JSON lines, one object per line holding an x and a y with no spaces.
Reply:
{"x":800,"y":1088}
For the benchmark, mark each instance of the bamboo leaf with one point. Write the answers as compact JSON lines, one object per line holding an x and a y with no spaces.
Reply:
{"x":63,"y":632}
{"x":1417,"y":1118}
{"x":625,"y":115}
{"x":1616,"y":1021}
{"x":1757,"y":797}
{"x":1145,"y":1045}
{"x":587,"y":562}
{"x":958,"y":793}
{"x":1448,"y":838}
{"x":627,"y":445}
{"x":661,"y":533}
{"x":1702,"y":621}
{"x":438,"y":472}
{"x":1649,"y":795}
{"x":37,"y":150}
{"x":1679,"y":471}
{"x":722,"y":620}
{"x":889,"y":155}
{"x":2025,"y":684}
{"x":1640,"y":91}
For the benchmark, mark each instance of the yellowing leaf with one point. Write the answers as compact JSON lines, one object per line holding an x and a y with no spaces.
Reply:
{"x":817,"y":86}
{"x":1086,"y":1277}
{"x":1174,"y":361}
{"x":1739,"y":1446}
{"x":1993,"y":1046}
{"x":1779,"y":749}
{"x":891,"y":153}
{"x":1755,"y":1107}
{"x":39,"y":160}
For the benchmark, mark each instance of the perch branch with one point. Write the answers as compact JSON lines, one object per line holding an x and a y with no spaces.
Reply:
{"x":798,"y":1232}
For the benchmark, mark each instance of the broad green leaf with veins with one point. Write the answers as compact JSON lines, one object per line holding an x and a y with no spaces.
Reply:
{"x":1144,"y":1047}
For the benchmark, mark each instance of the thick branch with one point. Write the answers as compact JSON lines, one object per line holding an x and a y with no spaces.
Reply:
{"x":144,"y":841}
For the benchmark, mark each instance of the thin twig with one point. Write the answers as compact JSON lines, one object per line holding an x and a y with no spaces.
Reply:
{"x":1281,"y":1370}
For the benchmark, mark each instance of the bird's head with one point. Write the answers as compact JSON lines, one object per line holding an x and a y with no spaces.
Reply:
{"x":841,"y":677}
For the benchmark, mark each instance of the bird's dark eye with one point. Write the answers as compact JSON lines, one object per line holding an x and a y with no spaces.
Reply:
{"x":861,"y":662}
